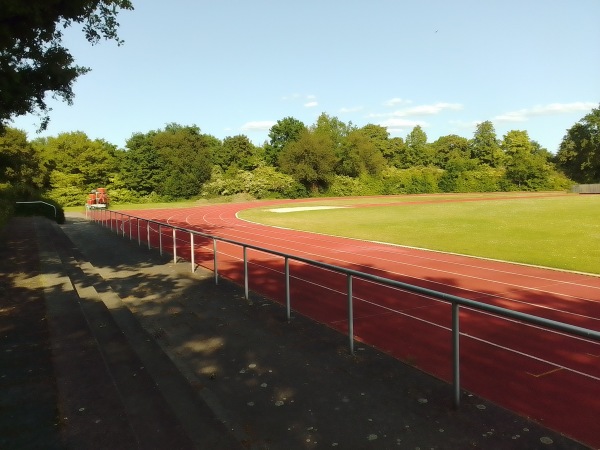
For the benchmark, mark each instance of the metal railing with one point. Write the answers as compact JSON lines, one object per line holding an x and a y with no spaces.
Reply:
{"x":39,"y":202}
{"x":108,"y":217}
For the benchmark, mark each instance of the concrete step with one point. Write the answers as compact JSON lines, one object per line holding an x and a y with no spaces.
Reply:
{"x":119,"y":389}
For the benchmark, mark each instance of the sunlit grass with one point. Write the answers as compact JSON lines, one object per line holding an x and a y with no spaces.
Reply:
{"x":557,"y":231}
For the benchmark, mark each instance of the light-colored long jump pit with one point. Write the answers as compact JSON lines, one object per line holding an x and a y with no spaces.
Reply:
{"x":303,"y":208}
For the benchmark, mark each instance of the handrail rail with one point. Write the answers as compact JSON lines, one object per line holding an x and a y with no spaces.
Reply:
{"x":454,"y":300}
{"x":39,"y":201}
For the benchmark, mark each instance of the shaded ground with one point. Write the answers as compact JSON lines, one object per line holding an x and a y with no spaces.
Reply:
{"x":104,"y":344}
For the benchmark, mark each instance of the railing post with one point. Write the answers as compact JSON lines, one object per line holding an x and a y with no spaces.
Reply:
{"x":456,"y":354}
{"x":130,"y":233}
{"x":148,"y":234}
{"x":110,"y":220}
{"x":174,"y":246}
{"x":192,"y":256}
{"x":160,"y":239}
{"x":246,"y":274}
{"x":288,"y":303}
{"x":138,"y":233}
{"x":350,"y":317}
{"x":216,"y":267}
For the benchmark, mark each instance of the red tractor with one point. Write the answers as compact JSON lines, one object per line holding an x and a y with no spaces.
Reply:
{"x":97,"y":199}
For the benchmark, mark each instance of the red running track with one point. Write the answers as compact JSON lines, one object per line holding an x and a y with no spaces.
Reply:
{"x":547,"y":376}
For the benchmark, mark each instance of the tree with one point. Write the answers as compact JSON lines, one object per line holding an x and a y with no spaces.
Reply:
{"x":485,"y":146}
{"x":238,"y":152}
{"x":93,"y":161}
{"x":285,"y":130}
{"x":33,"y":61}
{"x":332,"y":128}
{"x":380,"y":137}
{"x":524,"y":168}
{"x":579,"y":152}
{"x":19,"y":162}
{"x":359,"y":156}
{"x":185,"y":157}
{"x":449,"y":147}
{"x":397,"y":150}
{"x":310,"y":160}
{"x":417,"y":152}
{"x":140,"y":166}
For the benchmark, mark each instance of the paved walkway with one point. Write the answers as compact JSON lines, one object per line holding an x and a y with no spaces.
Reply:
{"x":104,"y":344}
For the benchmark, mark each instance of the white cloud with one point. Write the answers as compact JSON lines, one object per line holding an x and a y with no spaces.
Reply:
{"x":428,"y":110}
{"x":396,"y":101}
{"x":395,"y":124}
{"x":421,"y":110}
{"x":525,"y":114}
{"x":351,"y":110}
{"x":311,"y":104}
{"x":259,"y":125}
{"x":294,"y":96}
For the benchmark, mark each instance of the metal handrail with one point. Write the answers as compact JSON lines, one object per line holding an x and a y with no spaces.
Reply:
{"x":454,"y":300}
{"x":39,"y":201}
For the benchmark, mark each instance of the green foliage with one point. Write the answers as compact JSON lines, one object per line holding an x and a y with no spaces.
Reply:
{"x":76,"y":161}
{"x":310,"y":160}
{"x":284,"y":131}
{"x":238,"y":152}
{"x":358,"y":155}
{"x":579,"y":152}
{"x":173,"y":163}
{"x":329,"y":158}
{"x":264,"y":182}
{"x":416,"y":180}
{"x":39,"y":206}
{"x":345,"y":186}
{"x":19,"y":161}
{"x":483,"y":179}
{"x":417,"y":152}
{"x":140,"y":169}
{"x":7,"y":203}
{"x":484,"y":145}
{"x":33,"y":60}
{"x":449,"y":148}
{"x":524,"y":168}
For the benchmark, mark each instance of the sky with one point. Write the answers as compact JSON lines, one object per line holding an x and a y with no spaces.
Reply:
{"x":235,"y":67}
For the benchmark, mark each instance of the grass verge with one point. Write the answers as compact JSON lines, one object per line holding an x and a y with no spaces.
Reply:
{"x":547,"y":230}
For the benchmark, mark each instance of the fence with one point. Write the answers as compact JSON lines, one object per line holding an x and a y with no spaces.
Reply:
{"x":116,"y":222}
{"x":586,"y":189}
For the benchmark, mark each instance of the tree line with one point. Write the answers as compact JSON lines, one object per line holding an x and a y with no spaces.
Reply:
{"x":327,"y":158}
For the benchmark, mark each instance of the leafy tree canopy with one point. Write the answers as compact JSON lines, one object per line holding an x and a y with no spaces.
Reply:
{"x":284,"y":131}
{"x":33,"y":61}
{"x":76,"y":154}
{"x":19,"y":162}
{"x":310,"y":160}
{"x":579,"y":152}
{"x":238,"y":152}
{"x":485,"y":146}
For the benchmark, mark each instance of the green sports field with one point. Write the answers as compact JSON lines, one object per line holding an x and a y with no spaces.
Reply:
{"x":548,"y":229}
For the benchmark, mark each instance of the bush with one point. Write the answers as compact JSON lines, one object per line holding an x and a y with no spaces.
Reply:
{"x":37,"y":205}
{"x":415,"y":180}
{"x":263,"y":182}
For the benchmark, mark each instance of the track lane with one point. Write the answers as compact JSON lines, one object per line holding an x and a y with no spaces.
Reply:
{"x":420,"y":329}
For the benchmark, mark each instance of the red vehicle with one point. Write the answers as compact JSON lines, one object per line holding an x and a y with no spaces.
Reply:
{"x":97,"y":199}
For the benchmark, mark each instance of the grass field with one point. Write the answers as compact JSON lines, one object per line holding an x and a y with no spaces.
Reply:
{"x":547,"y":230}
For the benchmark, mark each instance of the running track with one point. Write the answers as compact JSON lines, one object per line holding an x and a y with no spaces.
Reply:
{"x":546,"y":376}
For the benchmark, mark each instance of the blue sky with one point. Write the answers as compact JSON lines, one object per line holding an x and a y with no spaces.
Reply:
{"x":237,"y":66}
